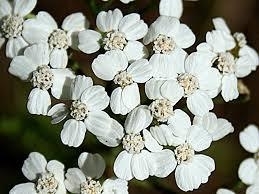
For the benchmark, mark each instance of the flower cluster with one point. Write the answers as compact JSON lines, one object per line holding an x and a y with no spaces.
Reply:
{"x":155,"y":137}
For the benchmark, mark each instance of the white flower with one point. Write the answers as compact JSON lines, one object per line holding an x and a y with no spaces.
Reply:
{"x":217,"y":127}
{"x":34,"y":66}
{"x":233,"y":60}
{"x":86,"y":113}
{"x":196,"y":81}
{"x":116,"y":32}
{"x":113,"y":65}
{"x":192,"y":169}
{"x":168,"y":37}
{"x":44,"y":29}
{"x":142,"y":156}
{"x":46,"y":177}
{"x":172,"y":8}
{"x":12,"y":24}
{"x":84,"y":180}
{"x":248,"y":170}
{"x":224,"y":191}
{"x":253,"y":189}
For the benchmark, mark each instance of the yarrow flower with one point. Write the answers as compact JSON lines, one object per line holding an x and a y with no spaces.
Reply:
{"x":34,"y":66}
{"x":248,"y":170}
{"x":224,"y":191}
{"x":142,"y":155}
{"x":12,"y":24}
{"x":46,"y":177}
{"x":116,"y":31}
{"x":114,"y":66}
{"x":44,"y":29}
{"x":84,"y":180}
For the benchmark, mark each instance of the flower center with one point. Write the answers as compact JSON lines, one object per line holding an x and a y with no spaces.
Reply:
{"x":163,"y":44}
{"x":47,"y":184}
{"x":91,"y":187}
{"x":183,"y":153}
{"x":78,"y":110}
{"x":240,"y":38}
{"x":114,"y":40}
{"x":162,"y":109}
{"x":226,"y":63}
{"x":12,"y":26}
{"x":123,"y":79}
{"x":133,"y":143}
{"x":42,"y":77}
{"x":189,"y":83}
{"x":58,"y":39}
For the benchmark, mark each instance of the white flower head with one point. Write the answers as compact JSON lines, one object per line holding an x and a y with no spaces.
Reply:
{"x":187,"y":139}
{"x":231,"y":55}
{"x":84,"y":180}
{"x":248,"y":170}
{"x":45,"y":177}
{"x":224,"y":191}
{"x":113,"y":65}
{"x":34,"y":66}
{"x":142,"y":155}
{"x":12,"y":24}
{"x":86,"y":113}
{"x":217,"y":127}
{"x":116,"y":32}
{"x":44,"y":29}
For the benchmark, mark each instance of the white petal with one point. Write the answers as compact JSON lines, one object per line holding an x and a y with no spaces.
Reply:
{"x":249,"y":138}
{"x":92,"y":165}
{"x":163,"y":135}
{"x":5,"y":8}
{"x":253,"y":55}
{"x":34,"y":165}
{"x":24,"y":188}
{"x":140,"y":71}
{"x":79,"y":85}
{"x":23,"y":7}
{"x":58,"y":58}
{"x":113,"y":136}
{"x":89,"y":41}
{"x":150,"y":143}
{"x":172,"y":91}
{"x":184,"y":37}
{"x":254,"y":189}
{"x":243,"y":66}
{"x":75,"y":22}
{"x":57,"y":168}
{"x":95,"y":98}
{"x":58,"y":113}
{"x":220,"y":24}
{"x":210,"y":80}
{"x":22,"y":67}
{"x":74,"y":178}
{"x":199,"y":138}
{"x":107,"y":21}
{"x":138,"y":119}
{"x":38,"y":29}
{"x":153,"y":88}
{"x":115,"y":185}
{"x":39,"y":102}
{"x":97,"y":121}
{"x":224,"y":191}
{"x":15,"y":46}
{"x":116,"y":102}
{"x":122,"y":166}
{"x":106,"y":66}
{"x":199,"y":103}
{"x":73,"y":133}
{"x":171,"y":8}
{"x":162,"y":163}
{"x":133,"y":27}
{"x":224,"y":128}
{"x":247,"y":171}
{"x":139,"y":165}
{"x":131,"y":96}
{"x":229,"y":87}
{"x":61,"y":88}
{"x":38,"y":54}
{"x":135,"y":50}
